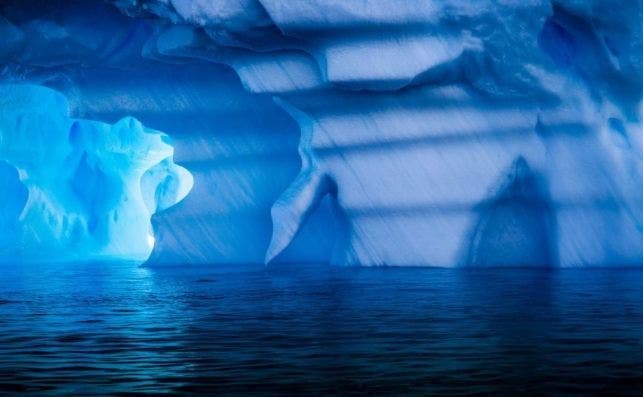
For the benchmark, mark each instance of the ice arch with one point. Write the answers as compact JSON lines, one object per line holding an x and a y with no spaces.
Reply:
{"x":78,"y":190}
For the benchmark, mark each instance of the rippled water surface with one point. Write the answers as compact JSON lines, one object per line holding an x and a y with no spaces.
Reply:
{"x":111,"y":329}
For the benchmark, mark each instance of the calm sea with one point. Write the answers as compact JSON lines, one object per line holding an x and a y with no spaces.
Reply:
{"x":120,"y":328}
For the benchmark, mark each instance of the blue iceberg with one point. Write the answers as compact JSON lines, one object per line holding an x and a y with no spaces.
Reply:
{"x":79,"y":190}
{"x":396,"y":132}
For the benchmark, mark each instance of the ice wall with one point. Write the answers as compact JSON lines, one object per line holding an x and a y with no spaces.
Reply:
{"x":399,"y":132}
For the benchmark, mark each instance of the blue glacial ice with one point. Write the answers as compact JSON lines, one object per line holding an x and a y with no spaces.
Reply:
{"x":388,"y":132}
{"x":78,"y":189}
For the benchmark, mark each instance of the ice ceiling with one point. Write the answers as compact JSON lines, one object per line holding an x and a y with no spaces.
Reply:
{"x":364,"y":132}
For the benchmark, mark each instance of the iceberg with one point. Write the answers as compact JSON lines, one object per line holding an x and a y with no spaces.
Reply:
{"x":397,"y":132}
{"x":79,"y":190}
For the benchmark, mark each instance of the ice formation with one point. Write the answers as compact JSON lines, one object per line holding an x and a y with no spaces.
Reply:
{"x":77,"y":190}
{"x":364,"y":132}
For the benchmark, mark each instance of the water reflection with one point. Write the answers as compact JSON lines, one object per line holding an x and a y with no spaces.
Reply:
{"x":106,"y":328}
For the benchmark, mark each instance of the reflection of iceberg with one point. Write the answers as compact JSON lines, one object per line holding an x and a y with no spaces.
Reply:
{"x":408,"y":116}
{"x":85,"y":189}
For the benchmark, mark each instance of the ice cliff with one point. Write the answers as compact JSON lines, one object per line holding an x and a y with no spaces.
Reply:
{"x":362,"y":132}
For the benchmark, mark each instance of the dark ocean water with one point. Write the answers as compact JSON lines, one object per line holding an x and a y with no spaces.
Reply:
{"x":112,"y":329}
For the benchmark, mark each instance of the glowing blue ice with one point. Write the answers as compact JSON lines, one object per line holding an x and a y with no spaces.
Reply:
{"x":78,"y":189}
